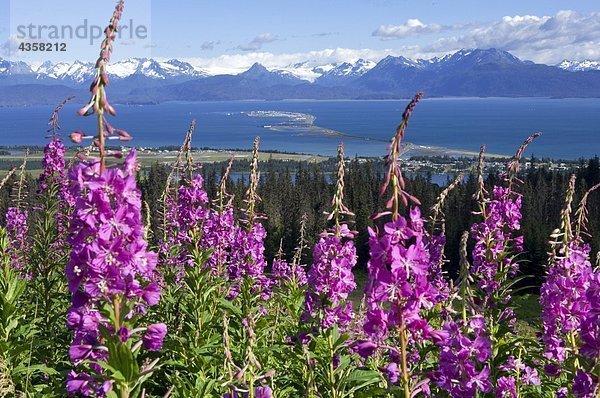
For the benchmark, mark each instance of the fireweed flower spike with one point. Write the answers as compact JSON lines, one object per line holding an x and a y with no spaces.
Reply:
{"x":394,"y":174}
{"x":436,"y":241}
{"x":185,"y":213}
{"x":493,"y":268}
{"x":16,"y":224}
{"x":53,"y":163}
{"x":327,"y":309}
{"x":461,"y":367}
{"x":53,"y":181}
{"x":292,"y":274}
{"x":98,"y":103}
{"x":330,"y":278}
{"x":570,"y":299}
{"x":111,"y":272}
{"x":495,"y":241}
{"x":16,"y":231}
{"x":247,"y":263}
{"x":398,"y":287}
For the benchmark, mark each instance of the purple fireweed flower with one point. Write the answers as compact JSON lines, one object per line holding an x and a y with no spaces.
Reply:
{"x":263,"y":392}
{"x":191,"y":203}
{"x":247,"y":260}
{"x":53,"y":172}
{"x":365,"y":348}
{"x":109,"y":261}
{"x":506,"y":387}
{"x":84,"y":384}
{"x":124,"y":333}
{"x":494,"y":237}
{"x":392,"y":371}
{"x":566,"y":308}
{"x":185,"y":214}
{"x":435,"y":245}
{"x":153,"y":338}
{"x":151,"y":294}
{"x":590,"y":324}
{"x":283,"y":272}
{"x":399,"y":287}
{"x":53,"y":164}
{"x":219,"y":235}
{"x":462,"y":370}
{"x":585,"y":385}
{"x":562,"y":392}
{"x":237,"y":252}
{"x":530,"y":376}
{"x":259,"y":392}
{"x":330,"y":279}
{"x":16,"y":231}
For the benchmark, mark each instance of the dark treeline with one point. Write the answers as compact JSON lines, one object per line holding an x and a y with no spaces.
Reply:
{"x":290,"y":190}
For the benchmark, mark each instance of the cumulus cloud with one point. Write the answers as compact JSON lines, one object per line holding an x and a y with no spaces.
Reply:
{"x":412,"y":27}
{"x":10,"y":48}
{"x":257,"y":42}
{"x":543,"y":39}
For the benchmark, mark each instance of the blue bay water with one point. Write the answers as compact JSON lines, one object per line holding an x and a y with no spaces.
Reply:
{"x":571,"y":127}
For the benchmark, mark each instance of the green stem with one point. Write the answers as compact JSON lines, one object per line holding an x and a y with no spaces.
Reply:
{"x":404,"y":362}
{"x":101,"y":128}
{"x":331,"y":375}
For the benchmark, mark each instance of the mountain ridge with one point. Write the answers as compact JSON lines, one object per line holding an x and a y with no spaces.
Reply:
{"x":468,"y":72}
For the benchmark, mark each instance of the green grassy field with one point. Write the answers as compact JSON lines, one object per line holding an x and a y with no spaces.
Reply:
{"x":147,"y":158}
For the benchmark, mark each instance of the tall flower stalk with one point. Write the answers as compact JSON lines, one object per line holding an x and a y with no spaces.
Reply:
{"x":399,"y":287}
{"x":111,"y":272}
{"x":17,"y":226}
{"x":249,"y":286}
{"x":487,"y":283}
{"x":98,"y":103}
{"x":330,"y":278}
{"x":571,"y":305}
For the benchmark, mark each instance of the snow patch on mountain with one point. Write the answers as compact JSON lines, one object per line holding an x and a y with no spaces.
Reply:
{"x":311,"y":71}
{"x":80,"y":72}
{"x":579,"y":66}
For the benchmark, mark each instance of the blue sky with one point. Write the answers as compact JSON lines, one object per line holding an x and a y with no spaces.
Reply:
{"x":235,"y":33}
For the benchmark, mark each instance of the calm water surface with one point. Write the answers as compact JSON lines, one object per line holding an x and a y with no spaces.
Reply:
{"x":571,"y":127}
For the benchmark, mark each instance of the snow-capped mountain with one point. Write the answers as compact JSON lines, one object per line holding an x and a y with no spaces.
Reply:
{"x":579,"y":66}
{"x":258,"y":73}
{"x":344,"y":72}
{"x":301,"y":70}
{"x":14,"y":68}
{"x":79,"y":72}
{"x":312,"y":71}
{"x":151,"y":68}
{"x":469,"y":72}
{"x":480,"y":57}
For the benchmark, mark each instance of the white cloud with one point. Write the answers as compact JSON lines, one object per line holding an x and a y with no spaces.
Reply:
{"x":237,"y":63}
{"x":257,"y":42}
{"x":10,"y":48}
{"x":412,"y":27}
{"x":543,"y":39}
